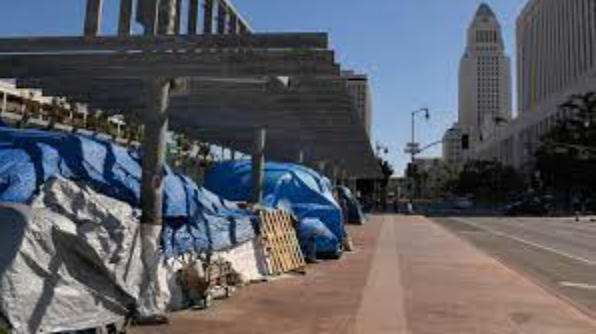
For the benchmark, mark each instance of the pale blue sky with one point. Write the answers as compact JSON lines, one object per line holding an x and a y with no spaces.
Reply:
{"x":410,"y":48}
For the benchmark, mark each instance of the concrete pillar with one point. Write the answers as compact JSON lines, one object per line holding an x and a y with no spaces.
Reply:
{"x":243,"y":29}
{"x":208,"y":17}
{"x":301,"y":157}
{"x":321,"y":167}
{"x":222,"y":14}
{"x":258,"y":165}
{"x":93,"y":17}
{"x":178,"y":20}
{"x":232,"y":24}
{"x":193,"y":16}
{"x":4,"y":102}
{"x":336,"y":175}
{"x":153,"y":160}
{"x":125,"y":21}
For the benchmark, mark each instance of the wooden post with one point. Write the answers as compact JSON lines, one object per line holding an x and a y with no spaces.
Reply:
{"x":125,"y":21}
{"x":93,"y":17}
{"x":258,"y":165}
{"x":193,"y":16}
{"x":208,"y":17}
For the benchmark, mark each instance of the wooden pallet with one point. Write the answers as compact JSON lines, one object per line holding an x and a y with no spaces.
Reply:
{"x":282,"y":250}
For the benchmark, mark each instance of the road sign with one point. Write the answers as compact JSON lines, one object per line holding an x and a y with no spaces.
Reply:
{"x":412,"y":148}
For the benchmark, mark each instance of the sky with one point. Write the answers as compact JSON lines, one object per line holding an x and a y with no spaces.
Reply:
{"x":409,"y":48}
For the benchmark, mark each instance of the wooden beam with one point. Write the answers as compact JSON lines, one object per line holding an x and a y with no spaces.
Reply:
{"x":93,"y":15}
{"x":125,"y":21}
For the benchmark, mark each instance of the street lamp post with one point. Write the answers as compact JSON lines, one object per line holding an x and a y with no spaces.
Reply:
{"x":413,"y":147}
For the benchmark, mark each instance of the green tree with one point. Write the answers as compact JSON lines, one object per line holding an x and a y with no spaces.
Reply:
{"x":566,"y":157}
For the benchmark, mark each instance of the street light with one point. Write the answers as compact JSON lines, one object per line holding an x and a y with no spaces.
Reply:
{"x":413,"y":147}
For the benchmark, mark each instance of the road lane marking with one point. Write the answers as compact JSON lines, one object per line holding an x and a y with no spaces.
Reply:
{"x":579,"y":286}
{"x":530,"y":243}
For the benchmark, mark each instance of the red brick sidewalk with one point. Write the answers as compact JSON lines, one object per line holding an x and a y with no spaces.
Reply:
{"x":408,"y":276}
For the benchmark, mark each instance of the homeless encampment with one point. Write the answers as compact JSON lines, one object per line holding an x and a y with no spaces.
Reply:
{"x":69,"y":221}
{"x":353,"y":210}
{"x":298,"y":189}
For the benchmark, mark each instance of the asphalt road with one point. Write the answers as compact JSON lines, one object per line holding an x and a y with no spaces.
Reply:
{"x":557,"y":252}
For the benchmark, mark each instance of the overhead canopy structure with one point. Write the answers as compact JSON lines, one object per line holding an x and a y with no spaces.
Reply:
{"x":232,"y":83}
{"x":225,"y":85}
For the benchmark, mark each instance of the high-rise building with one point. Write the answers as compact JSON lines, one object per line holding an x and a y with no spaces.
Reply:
{"x":360,"y":91}
{"x":556,"y":48}
{"x":484,"y":79}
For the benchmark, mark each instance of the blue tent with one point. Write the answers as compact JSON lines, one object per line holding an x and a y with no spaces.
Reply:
{"x":194,"y":218}
{"x":298,"y":189}
{"x":354,"y":212}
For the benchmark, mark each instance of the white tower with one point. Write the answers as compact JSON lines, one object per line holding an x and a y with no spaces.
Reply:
{"x":484,"y":79}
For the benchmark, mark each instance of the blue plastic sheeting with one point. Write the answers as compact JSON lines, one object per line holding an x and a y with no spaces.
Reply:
{"x":194,"y":218}
{"x":354,"y":212}
{"x":298,"y":189}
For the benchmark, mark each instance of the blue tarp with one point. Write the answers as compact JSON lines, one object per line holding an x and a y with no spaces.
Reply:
{"x":194,"y":218}
{"x":300,"y":190}
{"x":354,"y":212}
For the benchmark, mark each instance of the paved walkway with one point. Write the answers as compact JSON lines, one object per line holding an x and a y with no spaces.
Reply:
{"x":408,"y":276}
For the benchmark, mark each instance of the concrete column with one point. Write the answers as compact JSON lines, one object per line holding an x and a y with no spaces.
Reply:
{"x":232,"y":24}
{"x":321,"y":167}
{"x":93,"y":17}
{"x":193,"y":16}
{"x":258,"y":165}
{"x":153,"y":160}
{"x":222,"y":14}
{"x":244,"y":28}
{"x":208,"y":17}
{"x":4,"y":102}
{"x":336,"y":175}
{"x":301,"y":157}
{"x":178,"y":19}
{"x":125,"y":20}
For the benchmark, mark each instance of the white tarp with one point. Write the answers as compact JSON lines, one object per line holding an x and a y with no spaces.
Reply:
{"x":69,"y":262}
{"x":72,"y":260}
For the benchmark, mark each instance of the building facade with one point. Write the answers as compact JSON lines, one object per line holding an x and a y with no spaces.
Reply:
{"x":556,"y":47}
{"x":359,"y":89}
{"x":453,"y":149}
{"x":484,"y":79}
